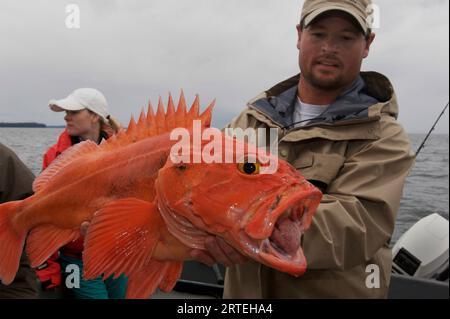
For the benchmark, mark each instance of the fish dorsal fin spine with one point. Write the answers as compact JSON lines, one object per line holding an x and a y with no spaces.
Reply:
{"x":63,"y":160}
{"x":152,"y":124}
{"x":148,"y":125}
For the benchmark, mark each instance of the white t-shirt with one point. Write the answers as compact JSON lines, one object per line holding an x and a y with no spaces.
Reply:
{"x":305,"y":112}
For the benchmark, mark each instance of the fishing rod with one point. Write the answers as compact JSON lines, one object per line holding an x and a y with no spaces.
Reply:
{"x":432,"y":129}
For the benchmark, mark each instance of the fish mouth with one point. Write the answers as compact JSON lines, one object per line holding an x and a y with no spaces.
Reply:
{"x":289,"y":214}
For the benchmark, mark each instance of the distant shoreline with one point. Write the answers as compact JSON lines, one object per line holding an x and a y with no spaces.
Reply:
{"x":23,"y":124}
{"x":29,"y":125}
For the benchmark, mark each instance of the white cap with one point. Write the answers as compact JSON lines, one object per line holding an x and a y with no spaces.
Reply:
{"x":80,"y":99}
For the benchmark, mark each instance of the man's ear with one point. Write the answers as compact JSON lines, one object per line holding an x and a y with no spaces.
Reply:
{"x":299,"y":34}
{"x":369,"y":42}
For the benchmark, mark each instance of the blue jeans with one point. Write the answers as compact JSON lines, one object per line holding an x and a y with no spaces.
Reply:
{"x":95,"y":288}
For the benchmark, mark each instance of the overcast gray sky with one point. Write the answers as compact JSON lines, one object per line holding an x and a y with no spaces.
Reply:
{"x":231,"y":50}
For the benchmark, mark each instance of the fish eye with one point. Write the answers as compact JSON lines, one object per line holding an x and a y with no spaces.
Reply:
{"x":249,"y":168}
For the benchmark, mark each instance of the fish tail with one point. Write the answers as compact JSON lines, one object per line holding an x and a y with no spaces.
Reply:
{"x":11,"y":242}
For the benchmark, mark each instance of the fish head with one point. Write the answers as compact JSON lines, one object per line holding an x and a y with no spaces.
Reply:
{"x":240,"y":203}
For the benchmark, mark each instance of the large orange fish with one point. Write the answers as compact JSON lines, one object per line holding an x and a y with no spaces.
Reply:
{"x":147,"y":210}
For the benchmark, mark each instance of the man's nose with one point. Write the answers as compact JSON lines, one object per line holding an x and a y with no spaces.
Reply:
{"x":330,"y":45}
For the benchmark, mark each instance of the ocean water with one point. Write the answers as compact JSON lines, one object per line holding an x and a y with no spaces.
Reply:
{"x":426,"y":190}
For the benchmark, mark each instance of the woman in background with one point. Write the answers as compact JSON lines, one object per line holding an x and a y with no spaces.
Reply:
{"x":87,"y":118}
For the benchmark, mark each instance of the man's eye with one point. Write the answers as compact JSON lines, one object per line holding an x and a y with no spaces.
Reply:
{"x":318,"y":35}
{"x":347,"y":37}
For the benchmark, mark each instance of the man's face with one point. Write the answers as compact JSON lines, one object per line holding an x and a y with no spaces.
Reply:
{"x":331,"y":51}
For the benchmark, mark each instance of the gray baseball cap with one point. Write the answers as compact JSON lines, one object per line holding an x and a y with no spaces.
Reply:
{"x":359,"y":9}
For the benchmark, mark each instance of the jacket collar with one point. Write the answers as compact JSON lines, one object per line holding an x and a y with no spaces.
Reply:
{"x":65,"y":140}
{"x":369,"y":89}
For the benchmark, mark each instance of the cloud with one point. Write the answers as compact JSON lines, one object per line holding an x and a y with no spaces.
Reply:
{"x":231,"y":50}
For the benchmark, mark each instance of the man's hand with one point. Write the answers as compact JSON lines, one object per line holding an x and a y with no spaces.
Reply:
{"x":286,"y":235}
{"x":218,"y":251}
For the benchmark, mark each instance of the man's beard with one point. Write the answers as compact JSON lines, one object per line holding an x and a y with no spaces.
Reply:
{"x":325,"y":85}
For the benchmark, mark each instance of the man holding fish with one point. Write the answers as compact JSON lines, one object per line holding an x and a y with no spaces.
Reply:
{"x":338,"y":127}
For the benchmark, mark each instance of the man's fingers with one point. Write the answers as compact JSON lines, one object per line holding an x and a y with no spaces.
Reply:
{"x":232,"y":254}
{"x":203,"y":257}
{"x":216,"y":252}
{"x":84,"y":228}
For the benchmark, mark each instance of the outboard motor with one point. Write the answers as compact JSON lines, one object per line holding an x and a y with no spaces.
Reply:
{"x":423,"y":250}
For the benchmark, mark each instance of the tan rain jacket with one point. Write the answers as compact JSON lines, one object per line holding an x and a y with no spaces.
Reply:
{"x":360,"y":156}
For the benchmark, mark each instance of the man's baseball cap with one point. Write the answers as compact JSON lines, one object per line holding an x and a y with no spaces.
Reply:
{"x":359,"y":9}
{"x":80,"y":99}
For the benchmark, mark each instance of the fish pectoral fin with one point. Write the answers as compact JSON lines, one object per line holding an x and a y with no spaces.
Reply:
{"x":121,"y":238}
{"x":45,"y":240}
{"x":156,"y":274}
